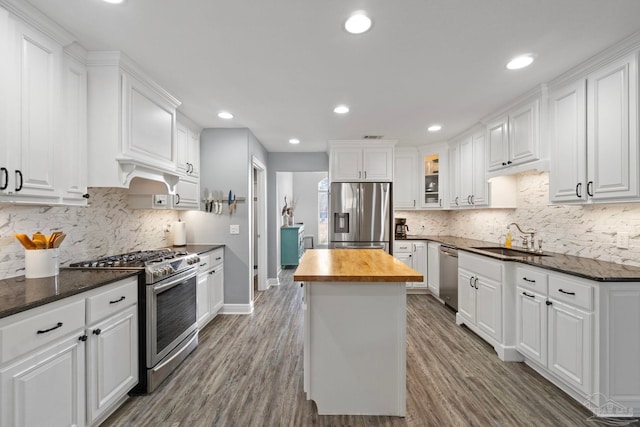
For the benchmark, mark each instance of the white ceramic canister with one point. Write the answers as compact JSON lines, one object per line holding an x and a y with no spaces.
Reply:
{"x":41,"y":263}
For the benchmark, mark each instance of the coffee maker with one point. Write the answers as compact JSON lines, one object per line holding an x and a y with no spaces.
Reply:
{"x":401,"y":228}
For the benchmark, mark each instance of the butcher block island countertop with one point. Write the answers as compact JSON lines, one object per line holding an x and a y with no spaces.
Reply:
{"x":353,"y":265}
{"x":355,"y":330}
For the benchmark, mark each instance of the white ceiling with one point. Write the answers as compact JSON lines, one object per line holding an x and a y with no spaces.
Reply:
{"x":281,"y":66}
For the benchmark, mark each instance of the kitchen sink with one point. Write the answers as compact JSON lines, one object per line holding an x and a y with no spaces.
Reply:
{"x":508,"y":252}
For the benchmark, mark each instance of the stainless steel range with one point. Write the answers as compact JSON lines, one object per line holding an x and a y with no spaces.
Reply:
{"x":166,"y":302}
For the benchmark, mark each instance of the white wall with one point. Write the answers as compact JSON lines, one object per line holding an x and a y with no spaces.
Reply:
{"x":105,"y":227}
{"x":588,"y":231}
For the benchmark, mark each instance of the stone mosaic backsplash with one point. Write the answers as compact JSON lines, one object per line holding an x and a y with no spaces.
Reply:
{"x":105,"y":227}
{"x":587,"y":231}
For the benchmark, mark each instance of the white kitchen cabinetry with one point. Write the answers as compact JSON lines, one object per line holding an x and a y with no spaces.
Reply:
{"x":210,"y":290}
{"x":74,"y":172}
{"x":593,"y":132}
{"x":434,"y":165}
{"x":188,"y":156}
{"x":187,"y":194}
{"x":132,"y":124}
{"x":44,"y":352}
{"x":414,"y":255}
{"x":468,"y":182}
{"x":112,"y":349}
{"x":405,"y":179}
{"x":485,"y":304}
{"x":355,"y":161}
{"x":514,"y":138}
{"x":433,"y":268}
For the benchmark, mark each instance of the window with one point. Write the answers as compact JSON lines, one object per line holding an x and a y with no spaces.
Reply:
{"x":323,"y":211}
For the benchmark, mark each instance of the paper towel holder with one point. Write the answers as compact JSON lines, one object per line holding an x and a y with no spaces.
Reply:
{"x":179,"y":234}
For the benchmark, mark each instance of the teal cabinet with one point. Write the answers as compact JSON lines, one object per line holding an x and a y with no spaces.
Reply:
{"x":291,"y":244}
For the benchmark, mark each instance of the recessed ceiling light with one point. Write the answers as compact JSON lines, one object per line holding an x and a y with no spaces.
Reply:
{"x":520,"y":62}
{"x":225,"y":115}
{"x":434,"y":128}
{"x":341,"y":109}
{"x":113,"y":1}
{"x":358,"y":23}
{"x":294,"y":141}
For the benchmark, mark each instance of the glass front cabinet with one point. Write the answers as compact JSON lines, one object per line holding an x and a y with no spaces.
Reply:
{"x":434,"y":162}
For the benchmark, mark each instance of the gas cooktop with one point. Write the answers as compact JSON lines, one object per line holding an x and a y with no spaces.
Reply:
{"x":158,"y":263}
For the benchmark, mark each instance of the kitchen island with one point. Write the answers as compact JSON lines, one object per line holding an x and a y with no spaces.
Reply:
{"x":355,"y":330}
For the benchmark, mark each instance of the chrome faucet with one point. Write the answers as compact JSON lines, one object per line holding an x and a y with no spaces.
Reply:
{"x":528,"y":244}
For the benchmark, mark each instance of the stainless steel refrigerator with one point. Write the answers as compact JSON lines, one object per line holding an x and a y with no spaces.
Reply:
{"x":360,"y":215}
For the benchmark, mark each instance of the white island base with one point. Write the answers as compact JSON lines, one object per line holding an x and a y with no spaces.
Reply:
{"x":355,"y":347}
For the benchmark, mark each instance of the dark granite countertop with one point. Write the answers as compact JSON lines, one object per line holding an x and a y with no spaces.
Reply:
{"x":588,"y":268}
{"x":20,"y":294}
{"x":197,"y":249}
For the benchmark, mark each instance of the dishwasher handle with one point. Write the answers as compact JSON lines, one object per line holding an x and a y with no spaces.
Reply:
{"x":445,"y":250}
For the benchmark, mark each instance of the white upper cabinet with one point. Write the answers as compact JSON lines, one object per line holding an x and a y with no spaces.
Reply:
{"x":468,"y":182}
{"x":187,"y":194}
{"x":354,"y":161}
{"x":188,"y":143}
{"x":433,"y":179}
{"x":43,"y":125}
{"x":132,"y":124}
{"x":593,"y":132}
{"x":75,"y":130}
{"x":34,"y":91}
{"x":513,"y":138}
{"x":405,"y":179}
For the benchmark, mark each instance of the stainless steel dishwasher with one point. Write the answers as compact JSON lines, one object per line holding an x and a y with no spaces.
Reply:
{"x":449,"y":276}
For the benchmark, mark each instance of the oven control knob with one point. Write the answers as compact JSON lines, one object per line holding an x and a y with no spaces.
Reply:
{"x":196,"y":259}
{"x":156,"y":273}
{"x":168,"y":269}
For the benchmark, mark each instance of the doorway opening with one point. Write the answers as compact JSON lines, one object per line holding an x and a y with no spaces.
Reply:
{"x":258,"y":223}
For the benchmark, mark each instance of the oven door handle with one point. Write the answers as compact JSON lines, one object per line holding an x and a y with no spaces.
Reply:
{"x":179,"y":279}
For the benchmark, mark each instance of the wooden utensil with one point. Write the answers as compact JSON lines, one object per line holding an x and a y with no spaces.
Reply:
{"x":25,"y":241}
{"x":40,"y":240}
{"x":58,"y":240}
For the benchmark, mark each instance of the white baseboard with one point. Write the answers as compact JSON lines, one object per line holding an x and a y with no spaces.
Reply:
{"x":237,"y":308}
{"x":273,"y":282}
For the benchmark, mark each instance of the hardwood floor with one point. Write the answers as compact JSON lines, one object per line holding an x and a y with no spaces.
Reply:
{"x":247,"y":371}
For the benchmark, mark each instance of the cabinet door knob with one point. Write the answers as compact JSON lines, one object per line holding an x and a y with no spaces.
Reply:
{"x":509,"y":162}
{"x":97,"y":331}
{"x":83,"y":338}
{"x":504,"y":163}
{"x":548,"y":302}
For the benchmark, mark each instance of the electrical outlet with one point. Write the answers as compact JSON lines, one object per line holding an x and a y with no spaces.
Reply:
{"x":622,"y":239}
{"x":234,"y":229}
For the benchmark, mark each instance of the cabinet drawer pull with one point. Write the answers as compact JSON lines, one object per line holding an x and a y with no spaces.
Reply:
{"x":578,"y":190}
{"x":203,"y":264}
{"x":178,"y":201}
{"x":59,"y":325}
{"x":470,"y":281}
{"x":5,"y":172}
{"x":528,"y":280}
{"x":218,"y":258}
{"x":528,"y":295}
{"x":565,"y":292}
{"x":473,"y":202}
{"x":475,"y":282}
{"x":457,"y":202}
{"x":122,"y":298}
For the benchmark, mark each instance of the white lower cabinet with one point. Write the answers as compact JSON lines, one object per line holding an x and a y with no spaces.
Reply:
{"x":210,"y":288}
{"x":112,"y":361}
{"x":414,"y":255}
{"x":70,"y":362}
{"x":486,"y":304}
{"x":433,"y":268}
{"x":45,"y":388}
{"x":582,"y":336}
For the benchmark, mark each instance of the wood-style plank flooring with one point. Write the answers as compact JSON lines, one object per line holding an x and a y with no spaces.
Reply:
{"x":247,"y":371}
